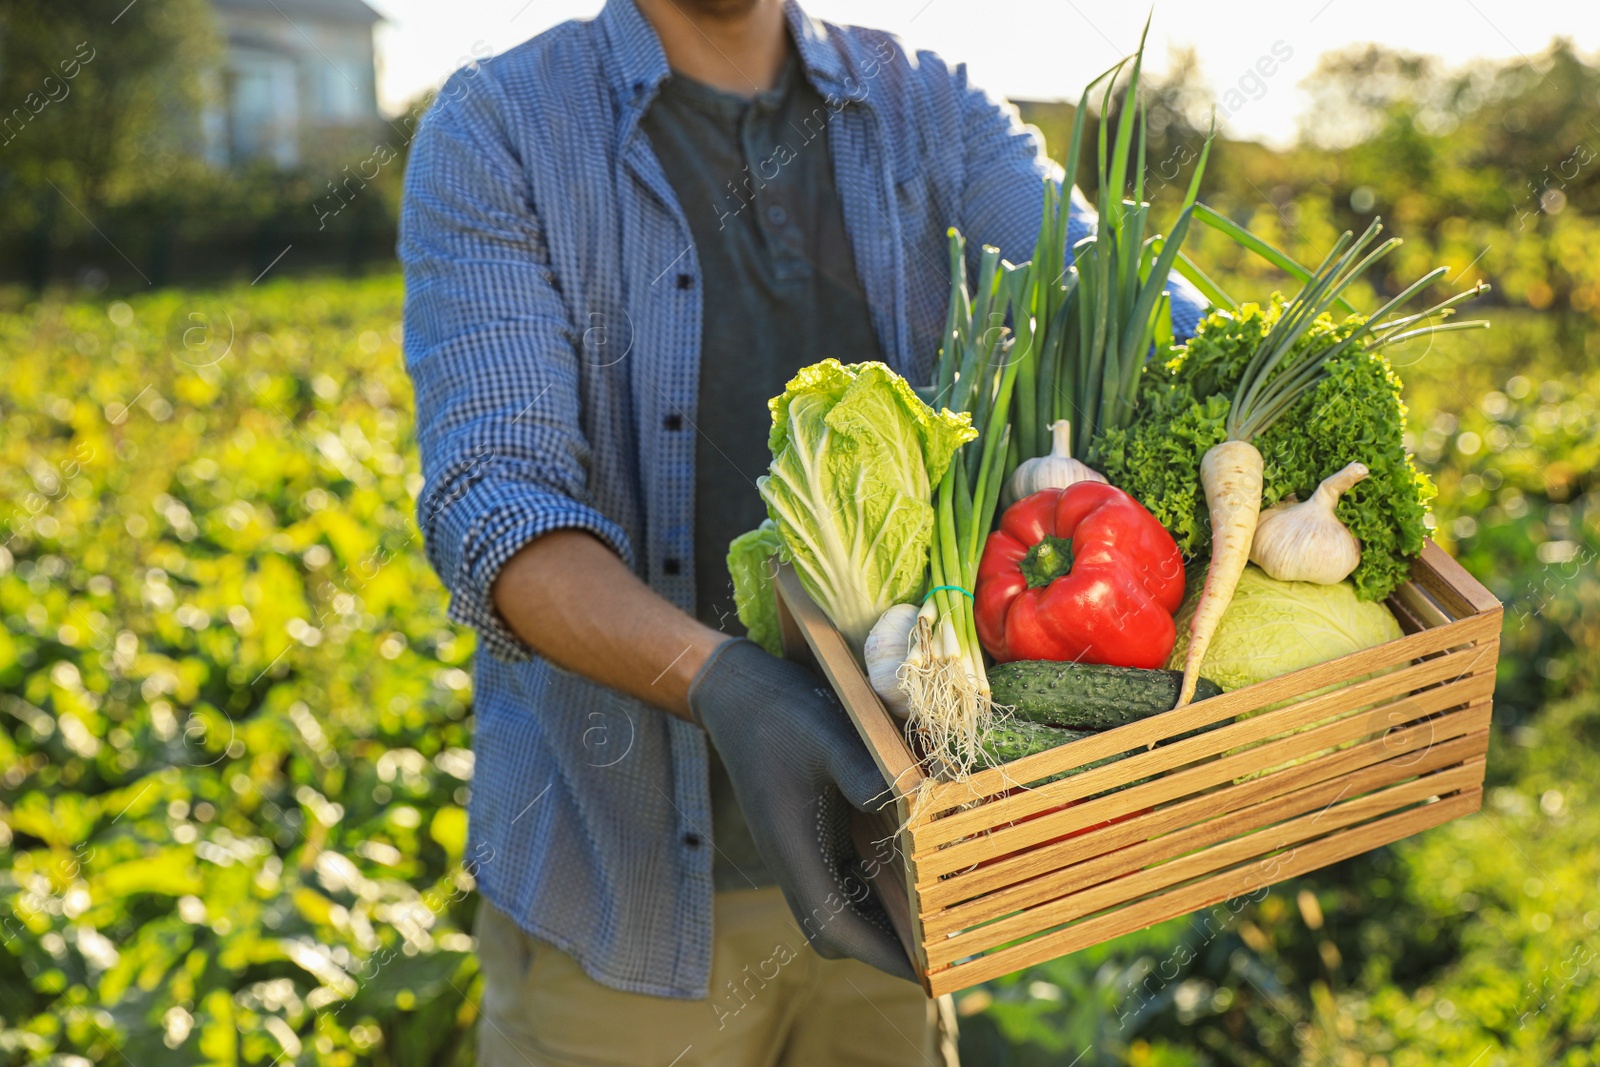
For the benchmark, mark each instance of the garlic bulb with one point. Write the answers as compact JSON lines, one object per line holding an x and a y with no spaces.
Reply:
{"x":1055,"y":471}
{"x":1306,"y":542}
{"x":886,"y":648}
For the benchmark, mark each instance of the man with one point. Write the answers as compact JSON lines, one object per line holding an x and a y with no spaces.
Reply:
{"x":620,"y":239}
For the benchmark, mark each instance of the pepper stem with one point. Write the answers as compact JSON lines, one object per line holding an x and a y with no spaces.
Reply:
{"x":1046,"y":561}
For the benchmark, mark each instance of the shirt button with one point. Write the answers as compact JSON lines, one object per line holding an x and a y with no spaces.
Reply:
{"x":776,"y":215}
{"x":671,"y":566}
{"x":685,"y":281}
{"x":673,"y":422}
{"x":692,"y":840}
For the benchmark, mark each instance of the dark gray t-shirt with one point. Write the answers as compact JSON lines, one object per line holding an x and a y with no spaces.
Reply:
{"x":755,"y":179}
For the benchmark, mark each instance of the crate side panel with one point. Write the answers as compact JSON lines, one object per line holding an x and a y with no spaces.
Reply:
{"x":1293,"y":686}
{"x":872,"y":720}
{"x":1034,"y":820}
{"x":887,"y":880}
{"x":1213,"y":890}
{"x":1151,"y":838}
{"x":1207,"y":776}
{"x":1267,"y":828}
{"x":1451,"y":584}
{"x":1161,"y":819}
{"x":933,"y":821}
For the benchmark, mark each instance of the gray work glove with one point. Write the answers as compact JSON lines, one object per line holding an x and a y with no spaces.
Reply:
{"x":796,"y":762}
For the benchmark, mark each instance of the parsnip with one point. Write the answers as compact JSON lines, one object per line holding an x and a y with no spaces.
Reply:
{"x":1230,"y":473}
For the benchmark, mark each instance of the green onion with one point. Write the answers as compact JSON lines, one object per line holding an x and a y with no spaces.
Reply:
{"x":1249,"y":241}
{"x":1271,"y":382}
{"x":1084,"y":334}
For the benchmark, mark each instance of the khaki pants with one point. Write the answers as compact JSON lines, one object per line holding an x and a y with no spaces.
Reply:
{"x":786,"y":1007}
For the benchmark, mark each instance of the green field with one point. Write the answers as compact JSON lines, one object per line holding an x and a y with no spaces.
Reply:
{"x":237,"y":729}
{"x":237,"y":733}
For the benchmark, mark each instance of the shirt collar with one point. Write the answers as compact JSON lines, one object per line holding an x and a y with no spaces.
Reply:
{"x":636,"y":64}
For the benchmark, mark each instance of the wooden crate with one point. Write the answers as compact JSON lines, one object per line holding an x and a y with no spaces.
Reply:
{"x":983,"y":879}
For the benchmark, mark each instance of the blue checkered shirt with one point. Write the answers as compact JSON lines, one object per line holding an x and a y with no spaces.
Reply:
{"x":552,"y":328}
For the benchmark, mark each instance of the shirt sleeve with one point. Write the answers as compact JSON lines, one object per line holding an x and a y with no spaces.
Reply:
{"x":1006,"y":165}
{"x":489,"y":346}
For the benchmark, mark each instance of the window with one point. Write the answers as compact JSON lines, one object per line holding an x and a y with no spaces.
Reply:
{"x":342,"y":93}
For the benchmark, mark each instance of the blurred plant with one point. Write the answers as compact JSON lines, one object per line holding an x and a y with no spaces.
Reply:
{"x":225,"y":834}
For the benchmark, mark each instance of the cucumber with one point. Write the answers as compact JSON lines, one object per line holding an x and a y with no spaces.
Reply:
{"x":1087,"y":696}
{"x":1016,"y":738}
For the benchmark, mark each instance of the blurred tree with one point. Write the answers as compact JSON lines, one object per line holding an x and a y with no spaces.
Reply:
{"x":1354,"y":92}
{"x":1536,"y":119}
{"x":102,"y":98}
{"x":1489,"y":140}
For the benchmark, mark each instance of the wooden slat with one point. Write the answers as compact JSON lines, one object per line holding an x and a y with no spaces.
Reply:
{"x":1058,"y":863}
{"x":1409,"y":623}
{"x":877,"y":728}
{"x":791,"y":635}
{"x":1213,"y":890}
{"x":1411,"y":602}
{"x":1006,"y":840}
{"x":928,"y":835}
{"x":1156,"y":865}
{"x":1449,"y":583}
{"x":1470,"y":631}
{"x":886,"y":874}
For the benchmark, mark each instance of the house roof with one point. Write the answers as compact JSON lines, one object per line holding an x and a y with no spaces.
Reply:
{"x":351,"y":11}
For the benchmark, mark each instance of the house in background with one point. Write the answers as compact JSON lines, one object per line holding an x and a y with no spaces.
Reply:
{"x":299,"y":77}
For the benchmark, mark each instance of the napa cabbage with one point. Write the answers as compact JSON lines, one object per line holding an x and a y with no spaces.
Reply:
{"x":855,"y":456}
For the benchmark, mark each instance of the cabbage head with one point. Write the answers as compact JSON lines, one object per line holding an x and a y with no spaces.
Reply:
{"x":855,"y":457}
{"x":1274,"y":627}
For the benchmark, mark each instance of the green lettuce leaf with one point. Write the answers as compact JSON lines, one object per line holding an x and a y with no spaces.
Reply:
{"x":855,"y":456}
{"x":750,"y":564}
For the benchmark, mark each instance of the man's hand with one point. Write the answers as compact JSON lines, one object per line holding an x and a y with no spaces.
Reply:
{"x":797,"y":764}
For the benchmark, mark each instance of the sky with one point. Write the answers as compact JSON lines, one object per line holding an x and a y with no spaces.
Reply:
{"x":1048,"y":49}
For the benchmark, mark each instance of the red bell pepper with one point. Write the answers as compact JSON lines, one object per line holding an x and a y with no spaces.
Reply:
{"x":1083,"y":574}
